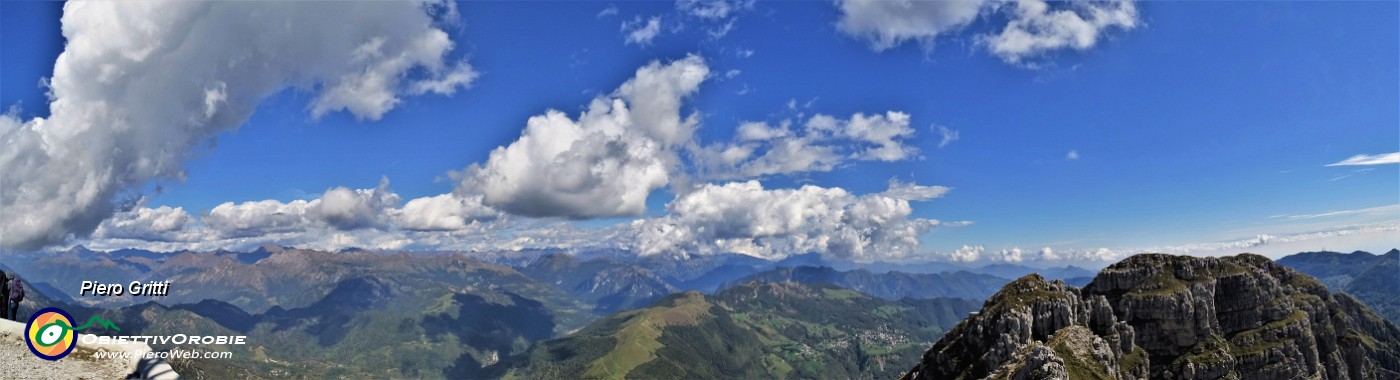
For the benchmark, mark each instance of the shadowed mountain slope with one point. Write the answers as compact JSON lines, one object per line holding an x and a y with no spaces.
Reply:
{"x":753,"y":330}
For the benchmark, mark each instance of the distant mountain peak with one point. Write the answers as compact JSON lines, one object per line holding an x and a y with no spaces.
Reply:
{"x":78,"y":249}
{"x":269,"y":249}
{"x":891,"y":285}
{"x":555,"y":261}
{"x":807,"y":259}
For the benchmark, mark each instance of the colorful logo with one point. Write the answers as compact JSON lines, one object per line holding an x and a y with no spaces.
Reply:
{"x":50,"y":333}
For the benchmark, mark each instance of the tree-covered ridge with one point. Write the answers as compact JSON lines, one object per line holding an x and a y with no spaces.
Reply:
{"x":1372,"y":279}
{"x":753,"y":330}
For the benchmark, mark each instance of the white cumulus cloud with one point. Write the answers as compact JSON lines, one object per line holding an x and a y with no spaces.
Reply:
{"x":967,"y":253}
{"x":759,"y":148}
{"x":1033,"y":27}
{"x":743,"y":217}
{"x":889,"y":23}
{"x":139,"y":85}
{"x":348,"y":209}
{"x":339,"y":218}
{"x":913,"y":192}
{"x":1017,"y":255}
{"x":1036,"y":29}
{"x":159,"y":224}
{"x":602,"y":164}
{"x":445,"y":212}
{"x":249,"y":219}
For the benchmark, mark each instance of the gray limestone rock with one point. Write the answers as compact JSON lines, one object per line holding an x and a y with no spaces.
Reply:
{"x":1169,"y":317}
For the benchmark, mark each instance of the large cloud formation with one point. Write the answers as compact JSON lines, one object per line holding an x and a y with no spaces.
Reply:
{"x":141,"y":85}
{"x":132,"y":109}
{"x":603,"y":164}
{"x":1033,"y":27}
{"x":339,"y":218}
{"x":744,"y":217}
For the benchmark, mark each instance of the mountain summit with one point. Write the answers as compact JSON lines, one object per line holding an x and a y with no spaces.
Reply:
{"x":1163,"y":316}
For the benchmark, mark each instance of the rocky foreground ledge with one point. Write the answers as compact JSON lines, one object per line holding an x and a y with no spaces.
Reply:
{"x":1169,"y":317}
{"x":16,"y":362}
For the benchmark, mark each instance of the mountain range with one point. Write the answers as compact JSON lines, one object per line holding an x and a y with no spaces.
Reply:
{"x":429,"y":314}
{"x":364,"y":314}
{"x":1372,"y":279}
{"x":610,"y":285}
{"x":889,"y":285}
{"x":364,"y":327}
{"x":602,"y":281}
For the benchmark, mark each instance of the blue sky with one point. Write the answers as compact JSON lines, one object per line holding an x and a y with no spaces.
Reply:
{"x":1201,"y":123}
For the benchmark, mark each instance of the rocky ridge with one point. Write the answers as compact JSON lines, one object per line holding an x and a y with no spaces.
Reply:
{"x":1169,"y":317}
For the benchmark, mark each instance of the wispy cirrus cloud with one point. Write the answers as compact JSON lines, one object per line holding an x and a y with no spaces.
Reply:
{"x":1368,"y":159}
{"x":611,"y":10}
{"x":1386,"y":210}
{"x":641,"y":32}
{"x":948,"y":136}
{"x":1351,"y":174}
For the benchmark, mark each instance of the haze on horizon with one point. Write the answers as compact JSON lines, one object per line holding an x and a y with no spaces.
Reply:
{"x":966,"y":131}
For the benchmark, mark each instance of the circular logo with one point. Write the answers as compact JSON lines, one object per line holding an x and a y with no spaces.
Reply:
{"x":49,"y":334}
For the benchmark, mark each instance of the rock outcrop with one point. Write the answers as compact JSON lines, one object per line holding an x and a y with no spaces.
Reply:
{"x":1169,"y":317}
